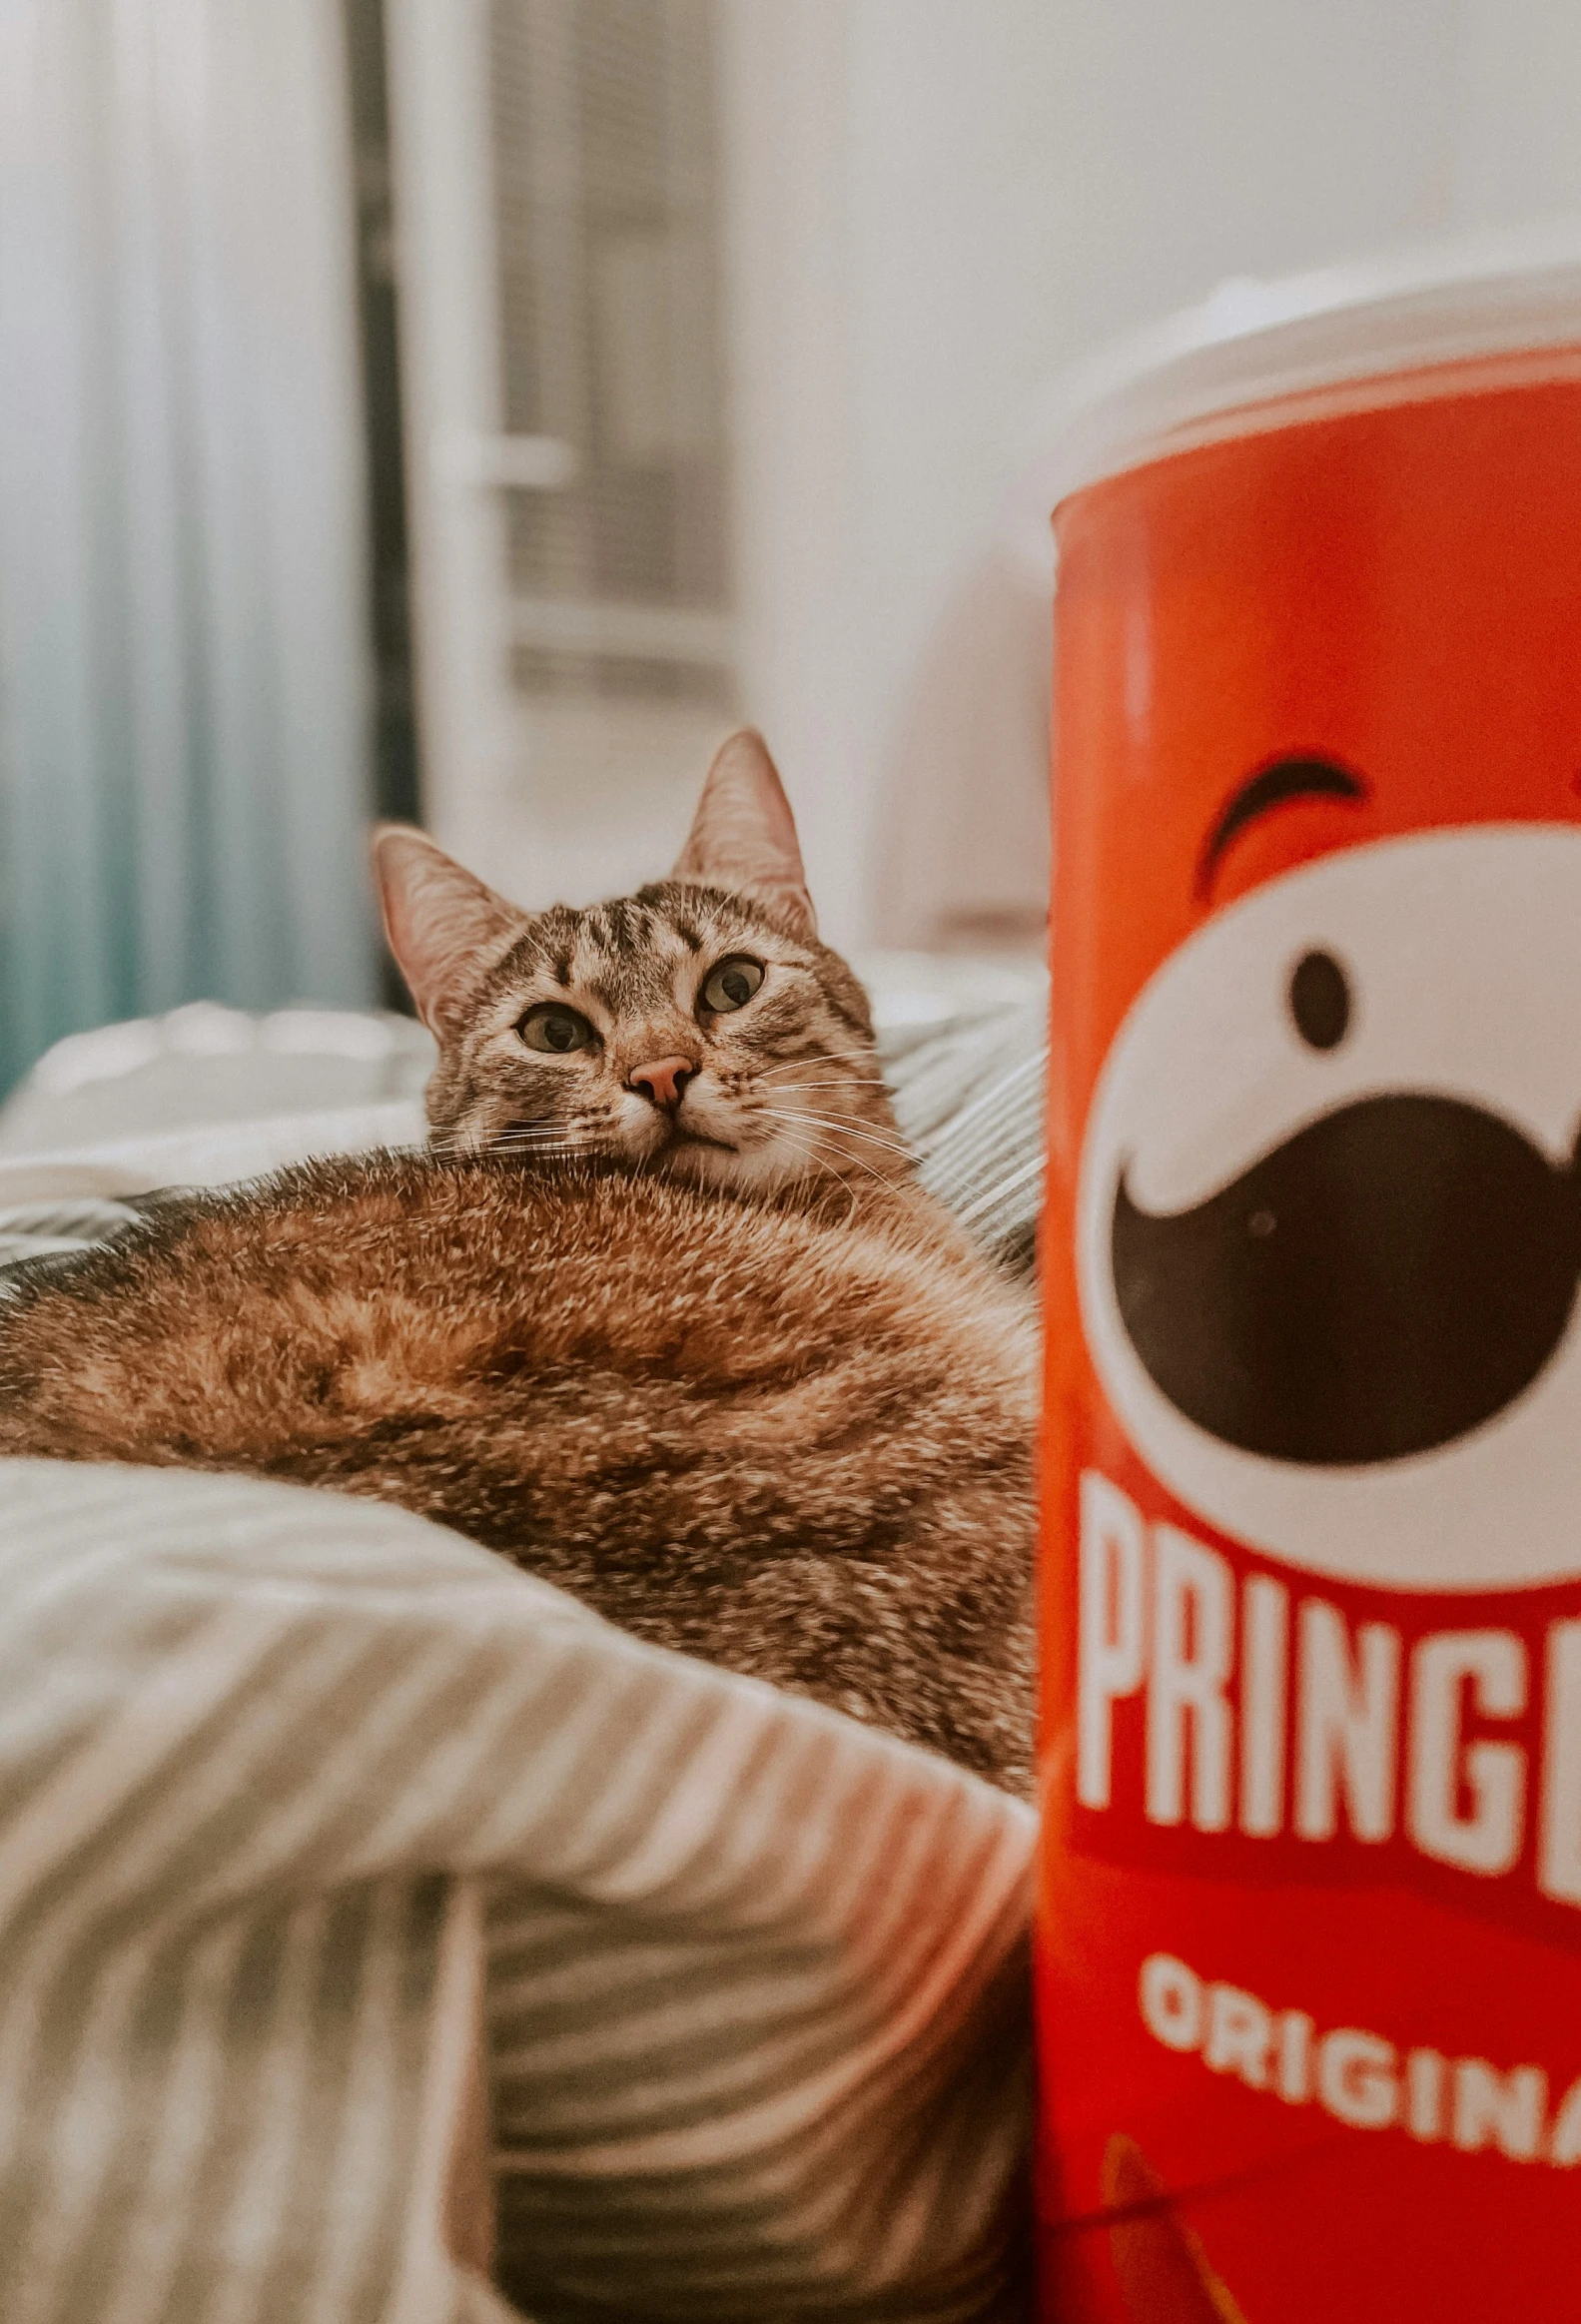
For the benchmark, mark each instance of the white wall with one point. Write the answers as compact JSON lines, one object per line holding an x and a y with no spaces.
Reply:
{"x":936,"y":205}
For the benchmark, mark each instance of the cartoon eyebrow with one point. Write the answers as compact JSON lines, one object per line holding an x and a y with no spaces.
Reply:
{"x":1273,"y":785}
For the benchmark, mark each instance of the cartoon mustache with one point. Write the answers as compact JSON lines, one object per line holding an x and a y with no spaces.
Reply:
{"x":1387,"y":1280}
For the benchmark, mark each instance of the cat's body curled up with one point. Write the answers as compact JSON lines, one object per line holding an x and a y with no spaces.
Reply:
{"x":664,"y":1314}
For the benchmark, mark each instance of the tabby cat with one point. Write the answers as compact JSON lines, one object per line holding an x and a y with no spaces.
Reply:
{"x":662,"y":1313}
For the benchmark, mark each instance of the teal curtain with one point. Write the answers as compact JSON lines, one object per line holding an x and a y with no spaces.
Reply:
{"x":184,"y":691}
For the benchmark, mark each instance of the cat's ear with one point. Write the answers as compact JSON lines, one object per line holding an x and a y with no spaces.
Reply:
{"x":442,"y":924}
{"x":743,"y":834}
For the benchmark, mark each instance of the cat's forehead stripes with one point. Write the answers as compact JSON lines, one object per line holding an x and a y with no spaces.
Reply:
{"x":627,"y":955}
{"x":626,"y":952}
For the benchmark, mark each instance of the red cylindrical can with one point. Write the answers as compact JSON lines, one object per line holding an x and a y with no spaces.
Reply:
{"x":1309,"y":1940}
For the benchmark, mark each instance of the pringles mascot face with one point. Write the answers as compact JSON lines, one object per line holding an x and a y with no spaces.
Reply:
{"x":1329,"y":1221}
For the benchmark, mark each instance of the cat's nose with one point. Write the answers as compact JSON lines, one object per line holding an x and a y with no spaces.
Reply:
{"x":664,"y":1081}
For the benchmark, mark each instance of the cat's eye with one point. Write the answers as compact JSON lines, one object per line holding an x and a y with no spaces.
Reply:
{"x":555,"y":1029}
{"x":732,"y":984}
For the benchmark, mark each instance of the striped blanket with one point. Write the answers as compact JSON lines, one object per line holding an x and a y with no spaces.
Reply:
{"x":385,"y":1937}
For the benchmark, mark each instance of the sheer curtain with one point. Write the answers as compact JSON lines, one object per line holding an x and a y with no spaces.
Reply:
{"x":183,"y":618}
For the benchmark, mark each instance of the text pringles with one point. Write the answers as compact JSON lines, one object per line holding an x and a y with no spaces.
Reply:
{"x":1267,"y":1710}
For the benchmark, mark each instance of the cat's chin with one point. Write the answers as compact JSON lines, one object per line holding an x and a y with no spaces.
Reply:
{"x":706,"y":1161}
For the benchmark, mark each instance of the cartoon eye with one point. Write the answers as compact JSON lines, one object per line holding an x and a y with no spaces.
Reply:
{"x":1321,"y":1000}
{"x":556,"y":1030}
{"x":732,"y":984}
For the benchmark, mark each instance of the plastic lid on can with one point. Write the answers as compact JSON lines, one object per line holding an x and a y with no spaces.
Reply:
{"x":1346,"y":337}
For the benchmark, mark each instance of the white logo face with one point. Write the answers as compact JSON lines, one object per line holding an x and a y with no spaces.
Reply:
{"x":1328,"y":1225}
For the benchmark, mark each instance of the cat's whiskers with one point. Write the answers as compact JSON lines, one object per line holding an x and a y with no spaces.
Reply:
{"x":849,"y":1153}
{"x":548,"y":1134}
{"x":824,"y":1056}
{"x":527,"y":1139}
{"x":815,"y":1089}
{"x":815,"y":1161}
{"x":457,"y":1147}
{"x":815,"y":1156}
{"x":540,"y":1149}
{"x":826,"y":1145}
{"x":849,"y":1127}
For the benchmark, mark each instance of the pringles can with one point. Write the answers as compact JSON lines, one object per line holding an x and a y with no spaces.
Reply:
{"x":1308,"y":1953}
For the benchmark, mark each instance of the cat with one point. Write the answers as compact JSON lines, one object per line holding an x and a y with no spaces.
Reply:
{"x":662,"y":1312}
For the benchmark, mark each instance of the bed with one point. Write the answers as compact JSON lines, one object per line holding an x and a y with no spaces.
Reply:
{"x":382,"y":1935}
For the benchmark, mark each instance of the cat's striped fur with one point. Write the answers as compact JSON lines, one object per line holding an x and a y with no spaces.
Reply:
{"x":696,"y":1347}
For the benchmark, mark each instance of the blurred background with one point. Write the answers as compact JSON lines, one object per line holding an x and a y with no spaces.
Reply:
{"x":469,"y":408}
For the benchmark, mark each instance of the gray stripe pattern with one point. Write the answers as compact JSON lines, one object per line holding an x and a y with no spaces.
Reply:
{"x":287,"y":1779}
{"x":39,"y":1229}
{"x":970,"y":1100}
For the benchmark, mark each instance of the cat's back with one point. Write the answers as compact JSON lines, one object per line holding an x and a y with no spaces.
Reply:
{"x":395,"y":1287}
{"x":794,"y":1437}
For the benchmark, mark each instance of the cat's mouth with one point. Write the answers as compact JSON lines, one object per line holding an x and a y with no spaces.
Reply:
{"x":681,"y":1135}
{"x":694,"y":1154}
{"x":743,"y":1165}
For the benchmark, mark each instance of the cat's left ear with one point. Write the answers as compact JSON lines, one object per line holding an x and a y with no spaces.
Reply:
{"x":743,"y":834}
{"x":444,"y":927}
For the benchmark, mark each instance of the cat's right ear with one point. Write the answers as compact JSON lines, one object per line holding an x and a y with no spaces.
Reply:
{"x":442,"y":925}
